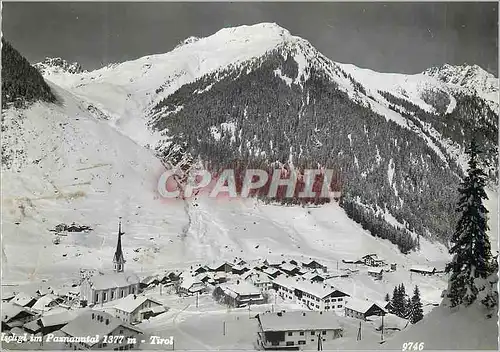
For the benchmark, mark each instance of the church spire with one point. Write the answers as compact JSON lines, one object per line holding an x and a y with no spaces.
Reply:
{"x":118,"y":259}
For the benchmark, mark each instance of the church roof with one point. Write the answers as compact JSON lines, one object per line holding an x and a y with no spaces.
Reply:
{"x":118,"y":257}
{"x":113,"y":280}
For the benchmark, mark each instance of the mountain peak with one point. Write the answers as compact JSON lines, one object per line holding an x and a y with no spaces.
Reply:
{"x":467,"y":76}
{"x":57,"y":64}
{"x":259,"y":28}
{"x":473,"y":78}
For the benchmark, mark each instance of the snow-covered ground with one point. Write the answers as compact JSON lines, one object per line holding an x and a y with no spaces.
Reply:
{"x":74,"y":165}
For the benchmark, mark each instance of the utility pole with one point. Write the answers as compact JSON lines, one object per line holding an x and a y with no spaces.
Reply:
{"x":197,"y":299}
{"x":382,"y":329}
{"x":160,"y":289}
{"x":224,"y":328}
{"x":359,"y":333}
{"x":320,"y":342}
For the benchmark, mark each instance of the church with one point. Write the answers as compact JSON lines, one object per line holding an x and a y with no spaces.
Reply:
{"x":108,"y":287}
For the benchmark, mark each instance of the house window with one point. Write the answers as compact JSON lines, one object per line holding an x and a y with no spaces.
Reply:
{"x":289,"y":343}
{"x":334,"y":300}
{"x":112,"y":294}
{"x":339,"y":306}
{"x":96,"y":297}
{"x":340,"y":299}
{"x":104,"y":296}
{"x":324,"y":332}
{"x":290,"y":333}
{"x":301,"y":333}
{"x":275,"y":343}
{"x":312,"y":332}
{"x":302,"y":342}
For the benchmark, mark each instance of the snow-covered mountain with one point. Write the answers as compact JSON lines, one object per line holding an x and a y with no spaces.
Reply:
{"x":471,"y":77}
{"x":57,"y":65}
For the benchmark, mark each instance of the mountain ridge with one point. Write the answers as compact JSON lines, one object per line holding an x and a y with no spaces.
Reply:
{"x":162,"y":99}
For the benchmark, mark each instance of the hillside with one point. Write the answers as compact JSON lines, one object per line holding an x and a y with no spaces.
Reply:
{"x":71,"y":165}
{"x":257,"y":95}
{"x":21,"y":83}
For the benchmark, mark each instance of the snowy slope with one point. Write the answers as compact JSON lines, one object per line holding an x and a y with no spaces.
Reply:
{"x":76,"y":168}
{"x":125,"y":93}
{"x":468,"y":77}
{"x":443,"y":329}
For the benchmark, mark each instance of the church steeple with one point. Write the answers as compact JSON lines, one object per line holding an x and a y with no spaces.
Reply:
{"x":118,"y":259}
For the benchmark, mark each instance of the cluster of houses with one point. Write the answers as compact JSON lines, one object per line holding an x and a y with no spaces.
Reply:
{"x":72,"y":312}
{"x":69,"y":313}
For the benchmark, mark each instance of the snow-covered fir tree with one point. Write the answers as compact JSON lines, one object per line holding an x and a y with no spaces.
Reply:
{"x":398,"y":302}
{"x":387,"y":297}
{"x":415,"y":309}
{"x":471,"y":247}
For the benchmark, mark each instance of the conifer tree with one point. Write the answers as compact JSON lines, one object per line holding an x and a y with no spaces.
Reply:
{"x":387,"y":297}
{"x":398,"y":303}
{"x":471,"y":247}
{"x":404,"y":302}
{"x":416,"y":312}
{"x":394,"y":301}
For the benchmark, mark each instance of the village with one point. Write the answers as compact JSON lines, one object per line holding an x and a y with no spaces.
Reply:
{"x":259,"y":303}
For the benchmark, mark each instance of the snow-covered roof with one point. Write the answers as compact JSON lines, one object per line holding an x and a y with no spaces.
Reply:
{"x":242,"y":288}
{"x":311,"y":261}
{"x":10,"y":310}
{"x":299,"y":321}
{"x":423,"y":268}
{"x":62,"y":317}
{"x":132,"y":302}
{"x":360,"y":305}
{"x":90,"y":324}
{"x":382,"y":304}
{"x":288,"y":267}
{"x":319,"y":290}
{"x":375,"y":271}
{"x":33,"y":325}
{"x":114,"y":280}
{"x":270,"y":271}
{"x":188,"y":282}
{"x":22,"y":299}
{"x":311,"y":275}
{"x":42,"y":303}
{"x":158,"y":309}
{"x":218,"y":264}
{"x":149,"y":279}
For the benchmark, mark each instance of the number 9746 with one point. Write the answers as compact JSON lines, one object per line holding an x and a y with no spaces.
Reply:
{"x":413,"y":346}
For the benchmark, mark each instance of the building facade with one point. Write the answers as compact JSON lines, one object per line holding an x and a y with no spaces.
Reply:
{"x":296,"y":330}
{"x":99,"y":288}
{"x":315,"y":296}
{"x":133,"y":309}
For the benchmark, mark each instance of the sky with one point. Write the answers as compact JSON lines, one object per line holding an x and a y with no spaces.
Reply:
{"x":387,"y":37}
